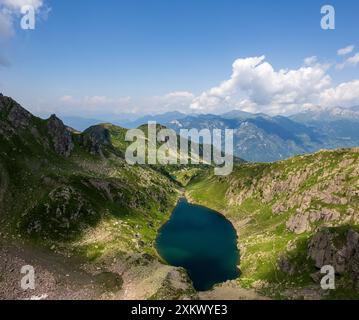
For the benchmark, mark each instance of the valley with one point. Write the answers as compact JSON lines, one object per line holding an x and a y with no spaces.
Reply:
{"x":72,"y":207}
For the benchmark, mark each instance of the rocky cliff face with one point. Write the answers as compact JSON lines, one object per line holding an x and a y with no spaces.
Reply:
{"x":17,"y":121}
{"x":14,"y":113}
{"x":338,"y":250}
{"x":61,"y":136}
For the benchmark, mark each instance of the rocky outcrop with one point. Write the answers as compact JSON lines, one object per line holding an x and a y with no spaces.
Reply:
{"x":95,"y":138}
{"x":14,"y":119}
{"x":305,"y":221}
{"x":338,"y":250}
{"x":15,"y":114}
{"x":61,"y":136}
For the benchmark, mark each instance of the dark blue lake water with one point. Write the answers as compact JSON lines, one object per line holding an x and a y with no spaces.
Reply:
{"x":203,"y":242}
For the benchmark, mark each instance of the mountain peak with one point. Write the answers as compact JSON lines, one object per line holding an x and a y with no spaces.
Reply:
{"x":54,"y":117}
{"x":10,"y":110}
{"x":95,"y":137}
{"x":61,"y":136}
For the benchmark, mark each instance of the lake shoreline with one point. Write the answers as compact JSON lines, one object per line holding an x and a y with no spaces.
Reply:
{"x":198,"y":238}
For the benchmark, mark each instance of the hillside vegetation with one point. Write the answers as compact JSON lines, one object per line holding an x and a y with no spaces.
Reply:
{"x":74,"y":195}
{"x":292,"y":217}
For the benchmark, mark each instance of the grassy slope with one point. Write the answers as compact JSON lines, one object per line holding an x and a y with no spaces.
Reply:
{"x":248,"y":196}
{"x":91,"y":206}
{"x":99,"y":204}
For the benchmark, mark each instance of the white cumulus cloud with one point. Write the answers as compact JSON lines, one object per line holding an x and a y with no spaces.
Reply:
{"x":255,"y":86}
{"x":344,"y":95}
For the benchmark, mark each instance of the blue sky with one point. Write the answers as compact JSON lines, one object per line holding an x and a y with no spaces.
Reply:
{"x":92,"y":58}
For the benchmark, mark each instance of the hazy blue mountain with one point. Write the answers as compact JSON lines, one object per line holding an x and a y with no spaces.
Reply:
{"x":258,"y":137}
{"x":339,"y":125}
{"x":321,"y":114}
{"x":261,"y":138}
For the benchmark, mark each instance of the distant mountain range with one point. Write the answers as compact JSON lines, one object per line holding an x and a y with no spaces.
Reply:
{"x":260,"y":137}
